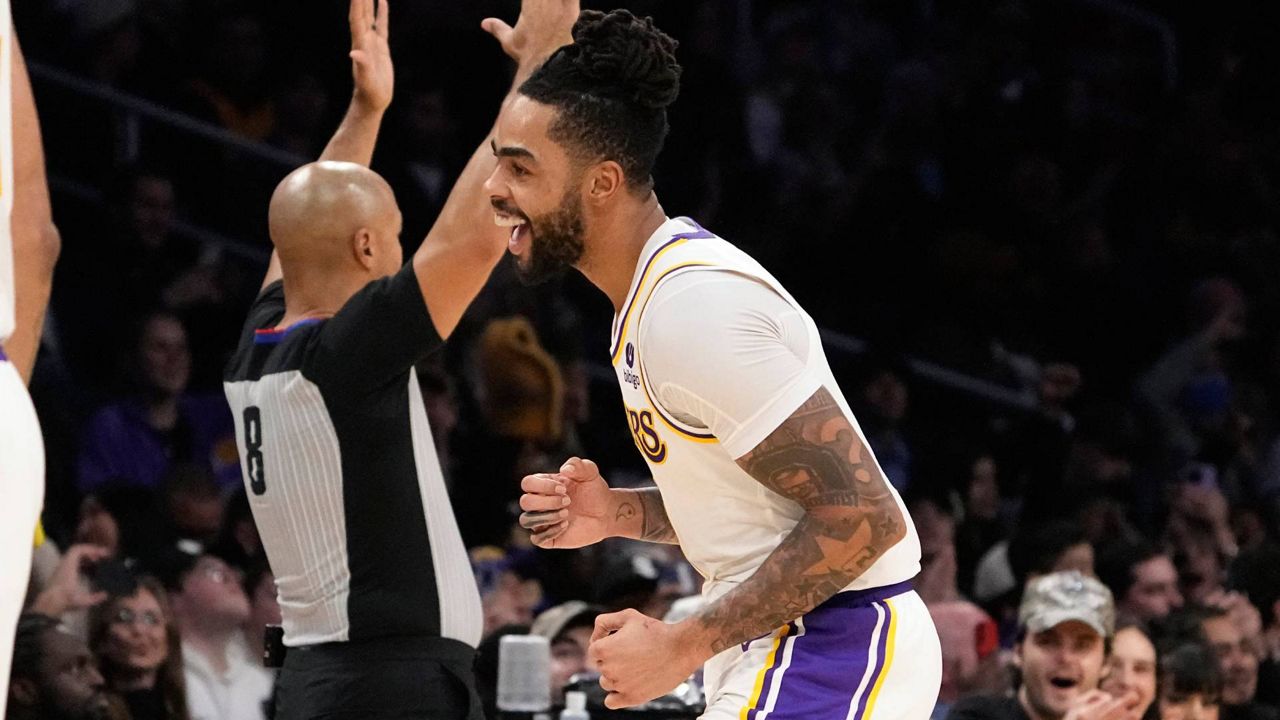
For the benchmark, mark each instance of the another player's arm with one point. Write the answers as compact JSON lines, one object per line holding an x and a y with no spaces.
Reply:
{"x":374,"y":84}
{"x":36,"y":242}
{"x":851,"y":518}
{"x":463,"y":246}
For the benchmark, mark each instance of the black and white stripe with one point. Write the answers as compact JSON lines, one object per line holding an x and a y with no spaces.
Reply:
{"x":343,"y":477}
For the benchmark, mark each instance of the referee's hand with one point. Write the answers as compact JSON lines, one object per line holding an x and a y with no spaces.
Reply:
{"x":568,"y":509}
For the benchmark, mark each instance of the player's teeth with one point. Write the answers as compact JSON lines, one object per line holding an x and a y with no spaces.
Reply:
{"x":508,"y":220}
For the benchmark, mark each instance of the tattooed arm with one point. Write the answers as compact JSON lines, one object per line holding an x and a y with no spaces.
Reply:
{"x":576,"y":507}
{"x":818,"y":460}
{"x":640,"y":515}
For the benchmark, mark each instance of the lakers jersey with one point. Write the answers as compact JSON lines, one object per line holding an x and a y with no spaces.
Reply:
{"x":6,"y":172}
{"x":726,"y":521}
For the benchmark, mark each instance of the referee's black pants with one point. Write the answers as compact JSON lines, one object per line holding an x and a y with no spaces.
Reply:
{"x":382,"y":679}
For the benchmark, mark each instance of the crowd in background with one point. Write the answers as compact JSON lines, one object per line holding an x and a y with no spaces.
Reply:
{"x":1060,"y":198}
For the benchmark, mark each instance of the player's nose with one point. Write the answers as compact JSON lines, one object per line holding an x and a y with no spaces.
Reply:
{"x":492,"y":186}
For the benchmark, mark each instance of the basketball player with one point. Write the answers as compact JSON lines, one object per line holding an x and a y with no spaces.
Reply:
{"x":380,"y":609}
{"x":763,"y":476}
{"x":28,"y":249}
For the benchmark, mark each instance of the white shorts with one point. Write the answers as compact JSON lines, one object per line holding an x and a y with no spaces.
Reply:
{"x":862,"y":655}
{"x":21,"y":495}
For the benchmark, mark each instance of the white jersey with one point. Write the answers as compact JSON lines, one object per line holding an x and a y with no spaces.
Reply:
{"x":713,"y":355}
{"x":6,"y":172}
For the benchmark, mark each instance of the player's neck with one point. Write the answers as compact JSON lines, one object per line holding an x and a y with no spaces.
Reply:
{"x":610,"y":259}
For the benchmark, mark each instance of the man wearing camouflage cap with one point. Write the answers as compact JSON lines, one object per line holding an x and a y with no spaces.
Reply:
{"x":1065,"y":625}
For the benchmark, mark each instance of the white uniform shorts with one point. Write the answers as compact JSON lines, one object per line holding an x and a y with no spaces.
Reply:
{"x":862,"y":655}
{"x":21,"y":496}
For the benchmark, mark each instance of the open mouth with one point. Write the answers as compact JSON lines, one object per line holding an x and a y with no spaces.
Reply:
{"x":1063,"y":683}
{"x":519,"y":225}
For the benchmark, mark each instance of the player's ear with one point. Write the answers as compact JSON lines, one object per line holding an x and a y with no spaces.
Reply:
{"x":604,"y":180}
{"x":362,"y":247}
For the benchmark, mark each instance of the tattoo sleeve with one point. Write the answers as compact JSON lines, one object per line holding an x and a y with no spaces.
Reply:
{"x":817,"y":459}
{"x":642,"y":516}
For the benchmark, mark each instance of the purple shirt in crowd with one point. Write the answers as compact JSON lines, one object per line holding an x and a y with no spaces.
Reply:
{"x":121,"y":447}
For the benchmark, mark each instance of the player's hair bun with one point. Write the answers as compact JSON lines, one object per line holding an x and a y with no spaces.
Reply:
{"x":628,"y":55}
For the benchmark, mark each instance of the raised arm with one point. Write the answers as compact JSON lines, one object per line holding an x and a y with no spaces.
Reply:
{"x":464,"y":244}
{"x":374,"y":76}
{"x":36,"y":243}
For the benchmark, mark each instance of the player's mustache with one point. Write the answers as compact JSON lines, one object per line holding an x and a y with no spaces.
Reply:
{"x":506,"y":209}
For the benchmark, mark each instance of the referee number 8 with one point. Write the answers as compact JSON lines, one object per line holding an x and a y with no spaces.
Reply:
{"x":253,"y":449}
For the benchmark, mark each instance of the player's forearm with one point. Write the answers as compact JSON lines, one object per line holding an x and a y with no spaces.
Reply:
{"x":36,"y":243}
{"x":823,"y":554}
{"x":641,"y":515}
{"x":357,"y":136}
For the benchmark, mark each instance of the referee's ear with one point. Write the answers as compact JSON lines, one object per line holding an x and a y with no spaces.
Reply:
{"x":362,"y":247}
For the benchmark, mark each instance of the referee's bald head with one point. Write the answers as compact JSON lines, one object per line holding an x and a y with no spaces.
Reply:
{"x":335,"y":217}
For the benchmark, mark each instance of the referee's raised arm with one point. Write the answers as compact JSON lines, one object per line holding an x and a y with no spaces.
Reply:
{"x":380,"y":609}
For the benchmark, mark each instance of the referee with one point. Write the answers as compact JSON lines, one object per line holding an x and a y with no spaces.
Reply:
{"x":380,"y":610}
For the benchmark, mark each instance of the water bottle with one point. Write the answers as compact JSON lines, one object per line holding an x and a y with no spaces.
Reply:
{"x":575,"y":706}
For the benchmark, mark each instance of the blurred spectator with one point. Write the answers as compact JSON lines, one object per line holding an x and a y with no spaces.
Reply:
{"x":1237,"y":655}
{"x":630,"y":580}
{"x":1065,"y":622}
{"x":568,"y":627}
{"x":1188,"y":390}
{"x":135,"y":441}
{"x":1190,"y":685}
{"x":936,"y":529}
{"x":264,"y":608}
{"x":302,"y":122}
{"x":1132,"y":667}
{"x":223,"y":675}
{"x":519,"y":391}
{"x":69,"y":593}
{"x":425,"y":156}
{"x":1142,"y":578}
{"x":509,"y":589}
{"x":982,"y":525}
{"x":1034,"y":550}
{"x":140,"y":652}
{"x":971,"y":662}
{"x":232,"y":86}
{"x":1258,"y":575}
{"x":192,"y":502}
{"x":127,"y":521}
{"x":882,"y":404}
{"x":238,"y":541}
{"x":54,"y":675}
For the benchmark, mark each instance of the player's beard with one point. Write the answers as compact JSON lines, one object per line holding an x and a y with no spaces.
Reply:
{"x":557,"y":242}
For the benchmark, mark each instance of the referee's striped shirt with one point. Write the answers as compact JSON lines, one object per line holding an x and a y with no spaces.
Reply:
{"x":342,"y":473}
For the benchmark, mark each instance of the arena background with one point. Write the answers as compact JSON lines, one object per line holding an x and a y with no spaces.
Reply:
{"x":1042,"y":238}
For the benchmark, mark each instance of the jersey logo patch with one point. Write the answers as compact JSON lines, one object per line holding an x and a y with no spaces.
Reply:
{"x":631,"y":355}
{"x":646,"y":436}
